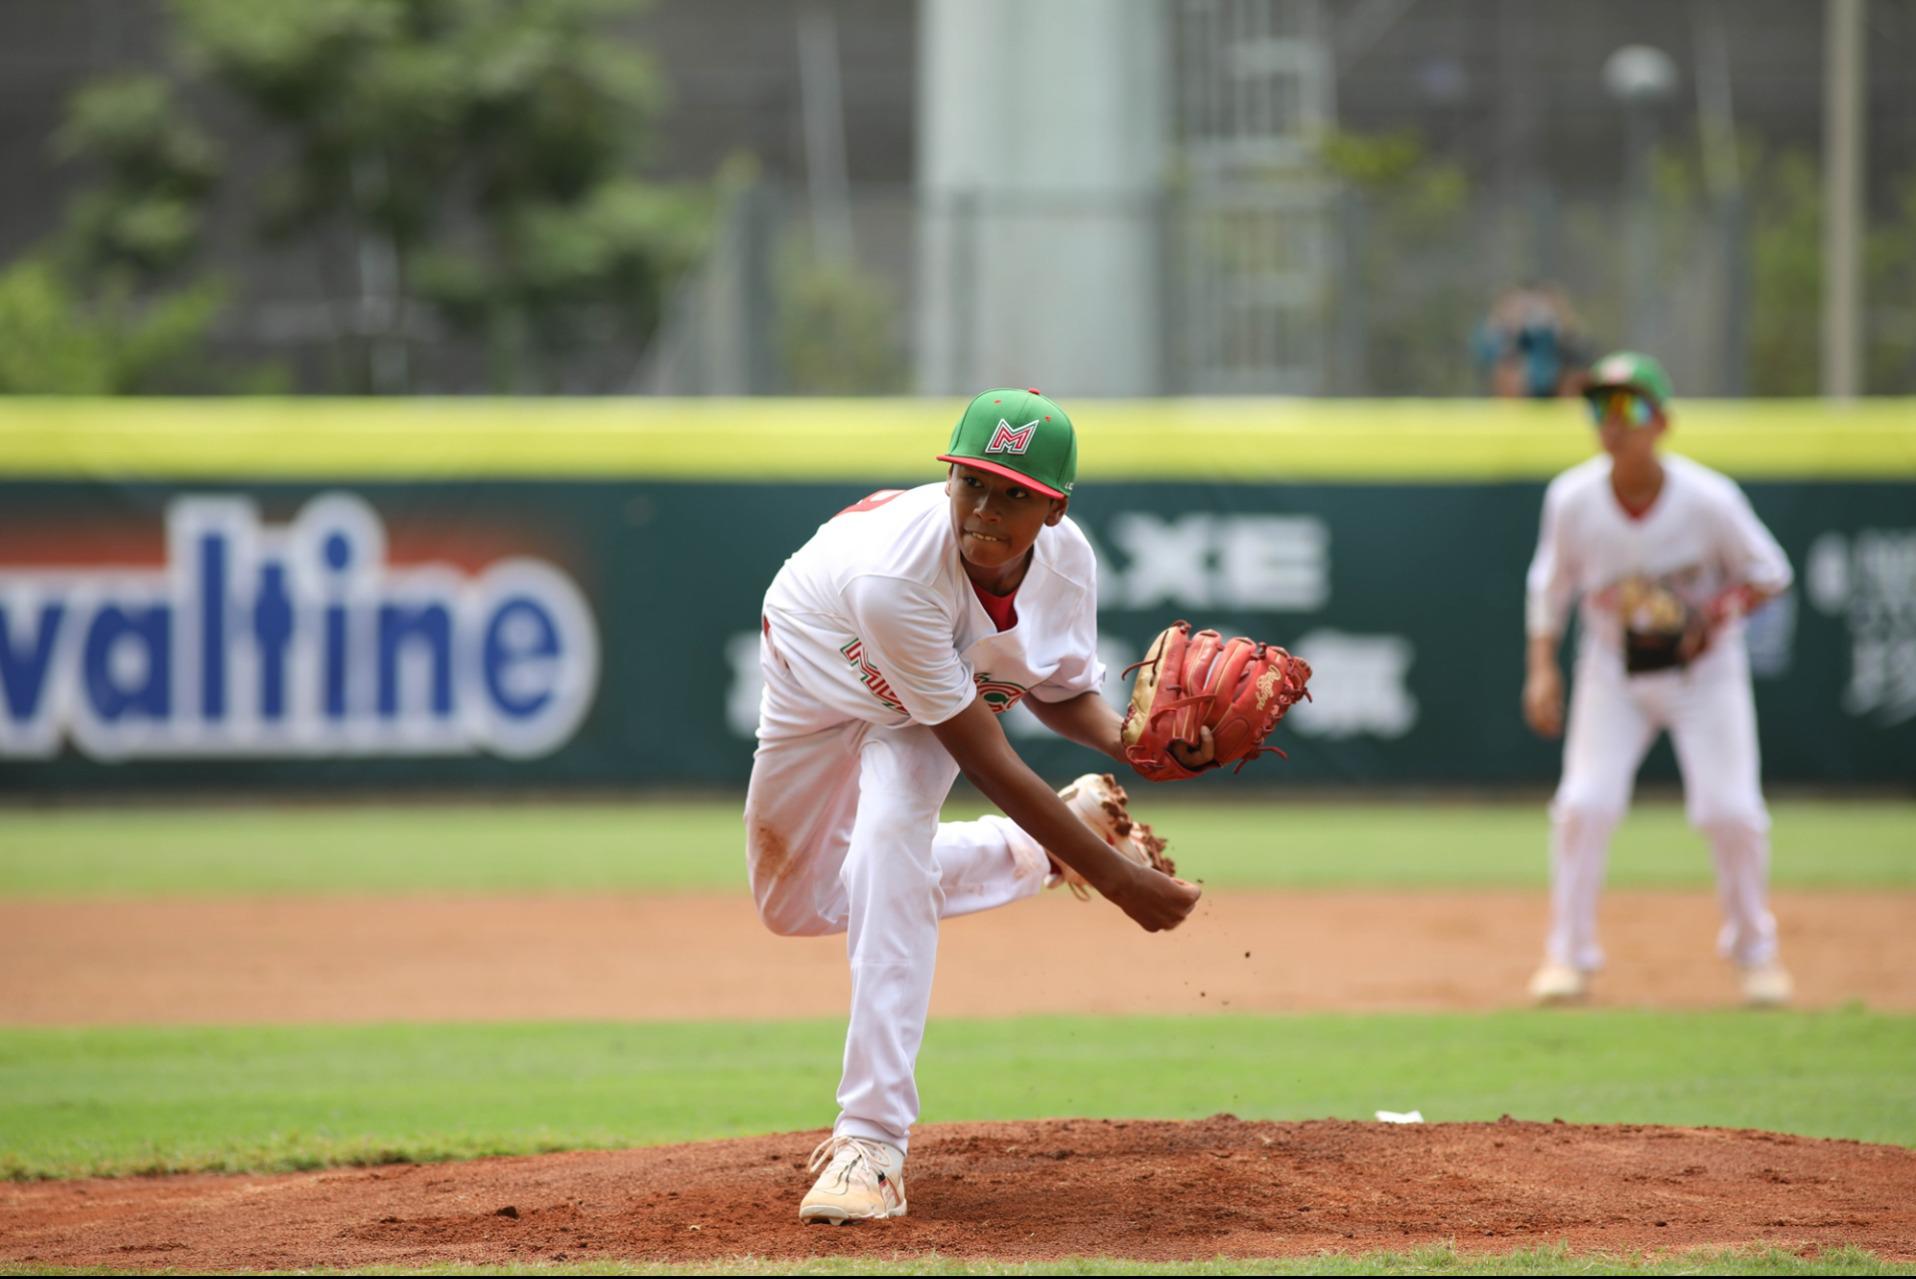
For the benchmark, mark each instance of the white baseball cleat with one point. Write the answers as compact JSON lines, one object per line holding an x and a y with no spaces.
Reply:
{"x":863,"y":1180}
{"x":1099,"y":803}
{"x":1767,"y":985}
{"x":1559,"y":984}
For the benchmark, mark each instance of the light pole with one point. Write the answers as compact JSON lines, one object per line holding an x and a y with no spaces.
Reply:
{"x":1639,"y":77}
{"x":1843,"y":98}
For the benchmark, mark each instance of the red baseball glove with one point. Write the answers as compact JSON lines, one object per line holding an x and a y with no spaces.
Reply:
{"x":1238,"y":688}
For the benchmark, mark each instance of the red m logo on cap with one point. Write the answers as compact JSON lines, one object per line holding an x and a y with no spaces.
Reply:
{"x":1010,"y":439}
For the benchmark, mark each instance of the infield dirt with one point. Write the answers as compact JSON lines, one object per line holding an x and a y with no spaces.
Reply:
{"x":350,"y":959}
{"x":1049,"y":1189}
{"x":1145,"y":1190}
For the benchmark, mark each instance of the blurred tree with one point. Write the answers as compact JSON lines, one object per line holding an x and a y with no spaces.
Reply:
{"x":142,"y":218}
{"x":54,"y":340}
{"x":837,"y":328}
{"x":1400,"y":329}
{"x":1785,"y":263}
{"x":468,"y":159}
{"x":1786,"y":276}
{"x":109,"y":305}
{"x":1889,"y":269}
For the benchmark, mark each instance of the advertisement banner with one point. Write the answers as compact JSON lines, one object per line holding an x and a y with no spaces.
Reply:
{"x":592,"y":633}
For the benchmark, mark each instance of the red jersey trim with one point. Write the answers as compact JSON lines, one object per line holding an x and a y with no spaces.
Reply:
{"x":1001,"y":609}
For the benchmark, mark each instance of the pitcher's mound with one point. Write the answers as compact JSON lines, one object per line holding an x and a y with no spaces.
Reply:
{"x":1110,"y":1188}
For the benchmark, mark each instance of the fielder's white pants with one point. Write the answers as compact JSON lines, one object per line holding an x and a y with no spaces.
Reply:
{"x":1710,"y":715}
{"x":842,"y":835}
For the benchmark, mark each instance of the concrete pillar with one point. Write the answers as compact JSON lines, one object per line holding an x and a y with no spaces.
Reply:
{"x":1041,"y":132}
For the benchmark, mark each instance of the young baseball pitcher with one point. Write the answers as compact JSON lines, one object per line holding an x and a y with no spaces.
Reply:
{"x":1665,"y":558}
{"x":892,"y":640}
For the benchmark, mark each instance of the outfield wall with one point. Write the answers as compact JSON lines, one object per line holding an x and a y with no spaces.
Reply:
{"x":553,"y":593}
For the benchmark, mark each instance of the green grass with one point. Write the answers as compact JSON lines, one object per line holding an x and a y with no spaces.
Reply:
{"x":671,"y":846}
{"x":76,"y":1102}
{"x":1440,"y":1259}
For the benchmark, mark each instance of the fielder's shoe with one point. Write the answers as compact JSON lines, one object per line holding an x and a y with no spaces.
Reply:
{"x":1559,"y":984}
{"x":1099,"y":802}
{"x":1767,"y":985}
{"x":862,"y":1180}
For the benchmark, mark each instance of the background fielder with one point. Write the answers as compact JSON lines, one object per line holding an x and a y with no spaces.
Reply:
{"x":1664,"y":557}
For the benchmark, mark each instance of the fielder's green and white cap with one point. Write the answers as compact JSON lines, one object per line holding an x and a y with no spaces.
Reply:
{"x":1019,"y":434}
{"x":1633,"y":371}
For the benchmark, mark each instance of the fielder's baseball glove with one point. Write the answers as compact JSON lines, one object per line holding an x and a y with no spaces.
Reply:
{"x":1238,"y":688}
{"x":1659,"y":629}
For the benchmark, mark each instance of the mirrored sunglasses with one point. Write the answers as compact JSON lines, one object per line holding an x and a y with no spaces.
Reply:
{"x":1629,"y":406}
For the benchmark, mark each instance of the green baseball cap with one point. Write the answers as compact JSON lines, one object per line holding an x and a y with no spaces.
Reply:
{"x":1019,"y":434}
{"x":1630,"y":370}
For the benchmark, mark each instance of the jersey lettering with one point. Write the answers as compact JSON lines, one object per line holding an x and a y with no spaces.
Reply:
{"x":999,"y":694}
{"x":855,"y":654}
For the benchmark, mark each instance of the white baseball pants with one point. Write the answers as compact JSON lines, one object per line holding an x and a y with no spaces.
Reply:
{"x":1614,"y":719}
{"x":842,"y":835}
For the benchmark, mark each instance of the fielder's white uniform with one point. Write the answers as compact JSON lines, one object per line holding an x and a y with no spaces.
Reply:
{"x":872,"y":632}
{"x":1700,"y":537}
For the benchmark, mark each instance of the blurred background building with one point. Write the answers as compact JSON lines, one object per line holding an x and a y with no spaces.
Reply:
{"x":875,"y":196}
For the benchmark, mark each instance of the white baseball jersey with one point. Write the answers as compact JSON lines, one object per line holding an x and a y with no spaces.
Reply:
{"x":878,"y":621}
{"x":872,"y":634}
{"x":1698,"y":538}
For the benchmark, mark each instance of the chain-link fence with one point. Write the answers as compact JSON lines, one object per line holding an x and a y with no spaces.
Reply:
{"x":1412,"y":287}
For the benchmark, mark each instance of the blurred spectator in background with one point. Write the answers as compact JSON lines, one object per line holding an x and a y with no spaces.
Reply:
{"x":1531,"y":344}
